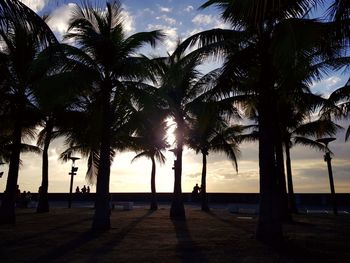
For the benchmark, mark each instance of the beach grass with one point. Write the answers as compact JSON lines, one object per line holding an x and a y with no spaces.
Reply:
{"x":64,"y":235}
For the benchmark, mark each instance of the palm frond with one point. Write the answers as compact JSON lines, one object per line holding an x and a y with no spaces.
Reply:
{"x":309,"y":143}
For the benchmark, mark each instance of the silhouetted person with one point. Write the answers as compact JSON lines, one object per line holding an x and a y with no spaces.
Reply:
{"x":23,"y":200}
{"x":28,"y":198}
{"x":77,"y":190}
{"x":195,"y":193}
{"x":83,"y":190}
{"x":88,"y":189}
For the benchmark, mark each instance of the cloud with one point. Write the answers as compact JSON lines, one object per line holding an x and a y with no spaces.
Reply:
{"x":35,"y":5}
{"x":189,"y":8}
{"x":128,"y":21}
{"x":203,"y":19}
{"x":209,"y":20}
{"x":59,"y":20}
{"x":169,"y":20}
{"x":193,"y":175}
{"x":171,"y":33}
{"x":164,"y":9}
{"x":147,"y":10}
{"x":327,"y":85}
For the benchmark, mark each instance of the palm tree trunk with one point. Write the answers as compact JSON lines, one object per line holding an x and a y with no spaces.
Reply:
{"x":43,"y":204}
{"x":204,"y":196}
{"x":177,"y":210}
{"x":291,"y":196}
{"x":269,"y":229}
{"x":101,"y":219}
{"x":7,"y":209}
{"x":286,"y":216}
{"x":154,"y":205}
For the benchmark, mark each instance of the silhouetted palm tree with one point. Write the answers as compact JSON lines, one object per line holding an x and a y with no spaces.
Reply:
{"x":108,"y":55}
{"x":260,"y":54}
{"x":299,"y":132}
{"x":149,"y":141}
{"x":181,"y":86}
{"x":23,"y":35}
{"x":209,"y":130}
{"x":339,"y":13}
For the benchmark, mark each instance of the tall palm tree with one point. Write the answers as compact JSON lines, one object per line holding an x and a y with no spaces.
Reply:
{"x":23,"y":35}
{"x":52,"y":70}
{"x":261,"y":50}
{"x":181,"y":87}
{"x":149,"y":141}
{"x":208,"y":131}
{"x":109,"y":56}
{"x":304,"y":133}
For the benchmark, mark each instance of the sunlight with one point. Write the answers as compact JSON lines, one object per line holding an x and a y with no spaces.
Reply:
{"x":171,"y":132}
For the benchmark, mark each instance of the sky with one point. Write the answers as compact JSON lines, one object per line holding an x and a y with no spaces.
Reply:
{"x":179,"y":19}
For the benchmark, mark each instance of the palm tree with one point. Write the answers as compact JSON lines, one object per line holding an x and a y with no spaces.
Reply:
{"x":338,"y":106}
{"x":181,"y":87}
{"x":210,"y":131}
{"x":52,"y":70}
{"x":339,"y":13}
{"x":108,"y":55}
{"x":149,"y":141}
{"x":297,"y":128}
{"x":261,"y":51}
{"x":23,"y":36}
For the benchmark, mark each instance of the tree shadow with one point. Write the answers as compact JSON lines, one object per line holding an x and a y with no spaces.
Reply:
{"x":245,"y":228}
{"x":186,"y":247}
{"x":226,"y":221}
{"x":108,"y":246}
{"x":71,"y":245}
{"x":57,"y":253}
{"x":47,"y":232}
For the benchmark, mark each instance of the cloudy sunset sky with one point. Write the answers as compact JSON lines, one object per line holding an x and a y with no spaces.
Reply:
{"x":180,"y":19}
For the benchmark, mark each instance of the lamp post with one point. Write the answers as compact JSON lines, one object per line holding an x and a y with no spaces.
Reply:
{"x":328,"y":158}
{"x":72,"y":173}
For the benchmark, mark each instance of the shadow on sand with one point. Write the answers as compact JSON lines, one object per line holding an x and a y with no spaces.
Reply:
{"x":186,"y":248}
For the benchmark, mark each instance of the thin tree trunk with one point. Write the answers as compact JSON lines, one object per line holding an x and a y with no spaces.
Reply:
{"x":154,"y":205}
{"x":101,"y":219}
{"x":177,"y":210}
{"x":204,"y":196}
{"x":269,"y":229}
{"x":43,"y":204}
{"x":7,"y":209}
{"x":291,"y":196}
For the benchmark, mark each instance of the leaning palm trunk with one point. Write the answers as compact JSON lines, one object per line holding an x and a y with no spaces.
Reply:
{"x":7,"y":210}
{"x":43,"y":204}
{"x":291,"y":196}
{"x":154,"y":205}
{"x":101,"y":220}
{"x":204,"y":197}
{"x":269,"y":229}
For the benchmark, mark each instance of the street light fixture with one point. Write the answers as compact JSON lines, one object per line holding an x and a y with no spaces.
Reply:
{"x":328,"y":158}
{"x":72,"y":173}
{"x":175,"y":161}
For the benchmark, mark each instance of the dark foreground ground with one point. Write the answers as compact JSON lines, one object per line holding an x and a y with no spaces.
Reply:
{"x":142,"y":236}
